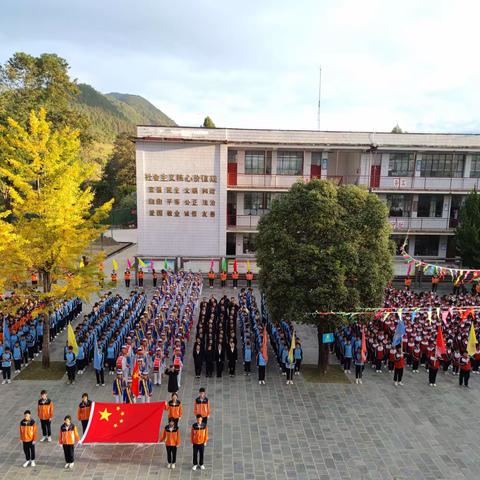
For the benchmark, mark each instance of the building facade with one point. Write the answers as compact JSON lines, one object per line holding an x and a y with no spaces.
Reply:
{"x":201,"y":192}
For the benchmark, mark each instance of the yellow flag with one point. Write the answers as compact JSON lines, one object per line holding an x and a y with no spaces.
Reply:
{"x":292,"y":348}
{"x":72,"y":342}
{"x":248,"y":266}
{"x":472,"y":342}
{"x":115,"y":265}
{"x":81,"y":263}
{"x":141,"y":263}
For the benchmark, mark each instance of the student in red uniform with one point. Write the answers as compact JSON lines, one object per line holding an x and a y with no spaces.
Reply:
{"x":199,"y":438}
{"x":455,"y":362}
{"x":83,"y":413}
{"x":202,"y":406}
{"x":416,"y":354}
{"x":465,"y":368}
{"x":433,"y":366}
{"x":399,"y":365}
{"x":380,"y":354}
{"x":171,"y":437}
{"x":67,"y":438}
{"x":28,"y":436}
{"x":45,"y":414}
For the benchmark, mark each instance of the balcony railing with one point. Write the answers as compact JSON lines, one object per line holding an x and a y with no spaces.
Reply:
{"x":373,"y":182}
{"x":399,"y":224}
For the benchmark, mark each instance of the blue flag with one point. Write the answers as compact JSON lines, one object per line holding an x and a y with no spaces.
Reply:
{"x":399,"y":333}
{"x":6,"y":333}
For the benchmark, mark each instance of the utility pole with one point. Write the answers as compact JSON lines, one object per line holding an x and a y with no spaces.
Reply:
{"x":319,"y":97}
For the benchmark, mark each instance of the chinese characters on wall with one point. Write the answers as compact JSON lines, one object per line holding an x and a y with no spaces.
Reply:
{"x":178,"y":195}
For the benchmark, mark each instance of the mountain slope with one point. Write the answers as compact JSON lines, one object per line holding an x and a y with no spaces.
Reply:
{"x":114,"y":113}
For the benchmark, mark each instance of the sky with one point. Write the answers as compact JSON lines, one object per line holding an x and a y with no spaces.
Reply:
{"x":255,"y":63}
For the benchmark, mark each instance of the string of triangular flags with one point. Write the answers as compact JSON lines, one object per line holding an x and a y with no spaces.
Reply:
{"x":456,"y":274}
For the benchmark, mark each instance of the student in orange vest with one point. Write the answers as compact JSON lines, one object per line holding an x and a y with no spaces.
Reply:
{"x":154,"y":280}
{"x":223,"y":279}
{"x":249,"y":277}
{"x":28,"y":436}
{"x":140,"y":276}
{"x":171,"y":437}
{"x":68,"y":436}
{"x":175,"y":410}
{"x":211,"y":278}
{"x":408,"y":283}
{"x":126,"y":277}
{"x":435,"y":281}
{"x":202,"y":406}
{"x":83,"y":413}
{"x":113,"y":276}
{"x":34,"y":277}
{"x":235,"y":279}
{"x":45,"y":414}
{"x":199,"y":438}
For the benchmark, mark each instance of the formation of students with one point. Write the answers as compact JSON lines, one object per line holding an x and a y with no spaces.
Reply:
{"x":418,"y":345}
{"x":216,"y":337}
{"x":22,"y":335}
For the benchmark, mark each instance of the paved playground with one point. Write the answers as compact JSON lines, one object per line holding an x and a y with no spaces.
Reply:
{"x":273,"y":432}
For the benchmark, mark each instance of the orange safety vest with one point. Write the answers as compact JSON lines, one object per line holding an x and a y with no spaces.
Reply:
{"x":211,"y":275}
{"x":114,"y":277}
{"x":223,"y":276}
{"x":140,"y":274}
{"x":235,"y":275}
{"x":127,"y":276}
{"x":435,"y":280}
{"x":34,"y":277}
{"x":408,"y":282}
{"x":249,"y":276}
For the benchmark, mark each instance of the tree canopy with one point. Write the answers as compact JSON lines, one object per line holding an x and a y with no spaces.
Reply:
{"x":50,"y":215}
{"x":324,"y":248}
{"x":208,"y":123}
{"x":468,"y":231}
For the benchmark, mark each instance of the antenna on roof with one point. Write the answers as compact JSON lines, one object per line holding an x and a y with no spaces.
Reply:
{"x":319,"y":97}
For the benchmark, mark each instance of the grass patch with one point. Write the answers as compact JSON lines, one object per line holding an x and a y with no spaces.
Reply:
{"x":35,"y":371}
{"x":312,"y":374}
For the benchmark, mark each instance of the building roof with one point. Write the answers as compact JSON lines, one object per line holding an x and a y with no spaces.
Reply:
{"x":311,"y":138}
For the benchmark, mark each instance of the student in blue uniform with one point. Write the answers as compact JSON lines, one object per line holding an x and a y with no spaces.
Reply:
{"x":6,"y":366}
{"x":71,"y":365}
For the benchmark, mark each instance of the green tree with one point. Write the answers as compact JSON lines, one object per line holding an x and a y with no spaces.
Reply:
{"x":324,"y":248}
{"x":119,"y":177}
{"x":468,"y":231}
{"x":29,"y":83}
{"x":397,"y":129}
{"x":208,"y":123}
{"x":51,"y":214}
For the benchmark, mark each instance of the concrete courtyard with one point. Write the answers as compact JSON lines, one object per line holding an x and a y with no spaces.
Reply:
{"x":272,"y":432}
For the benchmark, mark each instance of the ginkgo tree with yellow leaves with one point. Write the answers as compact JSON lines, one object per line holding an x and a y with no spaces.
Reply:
{"x":50,"y":220}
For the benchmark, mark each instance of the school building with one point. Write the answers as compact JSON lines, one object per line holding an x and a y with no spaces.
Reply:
{"x":201,"y":192}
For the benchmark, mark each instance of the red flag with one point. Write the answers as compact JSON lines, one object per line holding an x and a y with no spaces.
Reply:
{"x":363,"y":351}
{"x":440,"y":349}
{"x":124,"y":423}
{"x":235,"y":269}
{"x":264,"y":344}
{"x":136,"y":380}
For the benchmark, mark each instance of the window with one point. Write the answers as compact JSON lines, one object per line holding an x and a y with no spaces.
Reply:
{"x":256,"y":203}
{"x":258,"y":162}
{"x":442,"y":165}
{"x":427,"y":245}
{"x":289,"y":163}
{"x":399,"y":205}
{"x":317,"y":159}
{"x":430,"y":206}
{"x":475,"y":166}
{"x":249,"y":243}
{"x":232,"y":156}
{"x":401,"y":164}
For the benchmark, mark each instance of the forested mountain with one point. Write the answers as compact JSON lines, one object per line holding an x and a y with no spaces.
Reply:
{"x":114,"y":113}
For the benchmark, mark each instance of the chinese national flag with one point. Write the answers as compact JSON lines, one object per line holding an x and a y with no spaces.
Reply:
{"x":124,"y":423}
{"x":136,"y":380}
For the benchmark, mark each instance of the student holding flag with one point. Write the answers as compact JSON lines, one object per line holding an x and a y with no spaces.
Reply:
{"x":290,"y":360}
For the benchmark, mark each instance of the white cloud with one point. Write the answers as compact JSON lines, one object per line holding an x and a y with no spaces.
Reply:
{"x":255,"y":64}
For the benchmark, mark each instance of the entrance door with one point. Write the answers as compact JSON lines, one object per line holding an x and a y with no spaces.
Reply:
{"x":232,"y":174}
{"x":375,"y":176}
